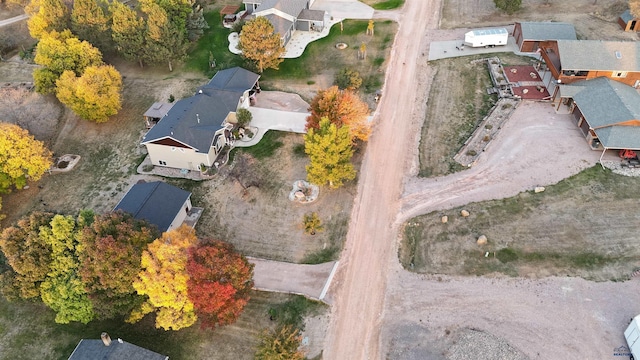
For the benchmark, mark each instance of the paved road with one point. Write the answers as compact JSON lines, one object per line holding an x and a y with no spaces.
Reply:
{"x":13,"y":20}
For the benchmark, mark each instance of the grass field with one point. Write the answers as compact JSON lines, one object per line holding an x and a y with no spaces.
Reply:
{"x":27,"y":331}
{"x":583,"y":226}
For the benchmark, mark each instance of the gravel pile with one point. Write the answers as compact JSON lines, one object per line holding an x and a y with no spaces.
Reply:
{"x":616,"y":167}
{"x":479,"y":345}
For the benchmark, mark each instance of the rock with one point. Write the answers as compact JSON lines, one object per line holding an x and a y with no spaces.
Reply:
{"x":445,"y":219}
{"x":481,"y":240}
{"x":538,"y":189}
{"x":464,"y":213}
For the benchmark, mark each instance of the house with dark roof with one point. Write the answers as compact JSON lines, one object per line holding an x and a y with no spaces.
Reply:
{"x":606,"y":111}
{"x":157,"y":202}
{"x":105,"y":349}
{"x":628,"y":22}
{"x":196,"y":130}
{"x":529,"y":35}
{"x":287,"y":16}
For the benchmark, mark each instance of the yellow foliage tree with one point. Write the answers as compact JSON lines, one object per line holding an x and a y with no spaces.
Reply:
{"x":45,"y":16}
{"x":95,"y":95}
{"x":164,"y":280}
{"x":21,"y":157}
{"x":260,"y":44}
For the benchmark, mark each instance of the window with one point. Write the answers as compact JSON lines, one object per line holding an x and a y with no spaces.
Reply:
{"x":182,"y":150}
{"x":173,"y":148}
{"x":162,"y":162}
{"x":620,"y":74}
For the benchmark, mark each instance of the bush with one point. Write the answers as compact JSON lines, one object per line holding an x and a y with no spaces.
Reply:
{"x":312,"y":223}
{"x":372,"y":83}
{"x":348,"y":79}
{"x":298,"y":150}
{"x":244,"y":117}
{"x":509,"y":6}
{"x":147,"y":168}
{"x":507,"y":255}
{"x":237,"y":27}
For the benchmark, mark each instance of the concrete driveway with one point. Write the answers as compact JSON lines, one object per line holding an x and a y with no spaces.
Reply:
{"x":311,"y":281}
{"x":447,"y":49}
{"x":344,"y":9}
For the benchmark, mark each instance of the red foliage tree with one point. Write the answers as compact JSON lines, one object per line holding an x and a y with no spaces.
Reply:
{"x":220,"y":280}
{"x":110,"y":250}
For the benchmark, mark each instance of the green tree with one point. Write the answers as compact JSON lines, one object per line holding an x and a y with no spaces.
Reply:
{"x":508,"y":6}
{"x":164,"y":38}
{"x":348,"y":79}
{"x":46,"y":16}
{"x":196,"y":23}
{"x":260,"y":44}
{"x":27,"y":254}
{"x":58,"y":52}
{"x":90,"y":21}
{"x":93,"y":96}
{"x":109,"y":250}
{"x":163,"y":279}
{"x":244,"y":117}
{"x":63,"y":290}
{"x":329,"y":149}
{"x":280,"y":344}
{"x":22,"y":157}
{"x":128,"y":32}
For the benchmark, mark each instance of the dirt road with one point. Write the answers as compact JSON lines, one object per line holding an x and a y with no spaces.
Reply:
{"x":361,"y":280}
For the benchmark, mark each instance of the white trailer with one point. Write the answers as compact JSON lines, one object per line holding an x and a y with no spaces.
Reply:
{"x":632,"y":335}
{"x":486,"y":37}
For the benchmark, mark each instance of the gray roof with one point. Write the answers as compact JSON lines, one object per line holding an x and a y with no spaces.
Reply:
{"x":280,"y":24}
{"x":158,"y":109}
{"x":547,"y":31}
{"x":313,"y":15}
{"x":91,"y":349}
{"x":626,"y":16}
{"x":193,"y":121}
{"x":156,"y":202}
{"x":599,"y":55}
{"x":606,"y":105}
{"x":291,"y":7}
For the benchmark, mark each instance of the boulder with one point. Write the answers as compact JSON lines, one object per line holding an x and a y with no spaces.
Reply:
{"x":445,"y":219}
{"x":481,"y":240}
{"x":464,"y":213}
{"x":538,"y":189}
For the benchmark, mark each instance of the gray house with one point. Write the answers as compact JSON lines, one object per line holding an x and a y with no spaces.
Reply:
{"x":287,"y":16}
{"x":159,"y":203}
{"x":606,"y":111}
{"x":195,"y":130}
{"x":105,"y":349}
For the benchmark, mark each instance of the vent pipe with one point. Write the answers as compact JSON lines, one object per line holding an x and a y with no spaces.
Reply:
{"x":106,"y":339}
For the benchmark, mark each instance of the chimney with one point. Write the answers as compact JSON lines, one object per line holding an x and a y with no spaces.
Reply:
{"x":106,"y":340}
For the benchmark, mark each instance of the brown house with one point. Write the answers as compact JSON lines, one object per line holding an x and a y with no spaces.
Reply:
{"x":629,"y":23}
{"x":569,"y":61}
{"x":530,"y":36}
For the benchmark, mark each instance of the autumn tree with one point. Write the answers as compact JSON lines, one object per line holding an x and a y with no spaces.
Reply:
{"x":128,"y":32}
{"x":341,"y":108}
{"x":110,"y":249}
{"x":164,"y":37}
{"x":46,"y":16}
{"x":27,"y":254}
{"x":63,"y":290}
{"x":279,"y":344}
{"x":22,"y":157}
{"x":220,"y":281}
{"x":90,"y":21}
{"x":58,"y":52}
{"x":260,"y":44}
{"x":95,"y":95}
{"x":329,"y":149}
{"x":508,"y":6}
{"x":163,"y":279}
{"x":634,"y":8}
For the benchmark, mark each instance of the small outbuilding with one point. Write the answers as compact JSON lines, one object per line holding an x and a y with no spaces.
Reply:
{"x":529,"y":35}
{"x":156,"y":112}
{"x":628,"y":22}
{"x":159,"y":203}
